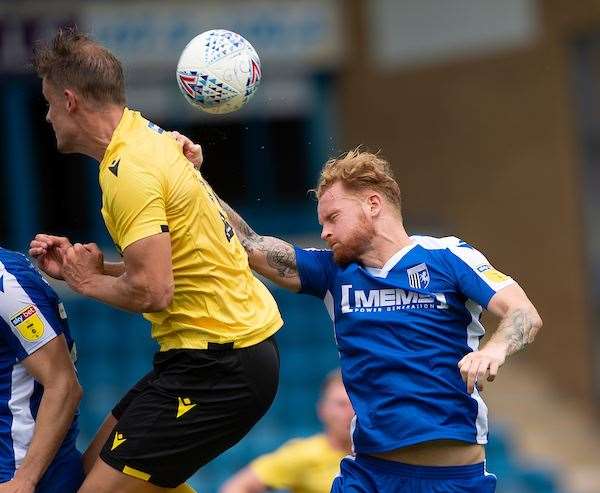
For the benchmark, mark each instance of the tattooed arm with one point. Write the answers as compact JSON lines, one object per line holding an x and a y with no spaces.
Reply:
{"x":271,"y":257}
{"x":520,"y":322}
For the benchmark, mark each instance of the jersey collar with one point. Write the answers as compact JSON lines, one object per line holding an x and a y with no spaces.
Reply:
{"x":392,"y":261}
{"x":126,"y":121}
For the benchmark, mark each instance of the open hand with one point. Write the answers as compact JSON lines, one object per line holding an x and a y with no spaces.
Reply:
{"x":480,"y":365}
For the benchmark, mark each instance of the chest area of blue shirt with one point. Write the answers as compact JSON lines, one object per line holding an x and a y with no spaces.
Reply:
{"x":416,"y":284}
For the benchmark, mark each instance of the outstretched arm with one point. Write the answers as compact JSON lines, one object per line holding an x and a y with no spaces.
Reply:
{"x":272,"y":257}
{"x":520,"y":322}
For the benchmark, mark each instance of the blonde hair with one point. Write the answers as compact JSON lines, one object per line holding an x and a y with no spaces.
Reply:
{"x":360,"y":170}
{"x":73,"y":59}
{"x":334,"y":376}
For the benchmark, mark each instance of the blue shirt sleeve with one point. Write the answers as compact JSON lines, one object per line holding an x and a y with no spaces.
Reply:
{"x":476,"y":278}
{"x":315,"y":270}
{"x":31,"y":314}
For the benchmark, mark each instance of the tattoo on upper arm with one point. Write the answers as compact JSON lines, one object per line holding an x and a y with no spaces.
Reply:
{"x":279,"y":254}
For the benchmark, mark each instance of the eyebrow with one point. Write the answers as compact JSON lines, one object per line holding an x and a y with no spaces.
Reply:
{"x":328,"y":216}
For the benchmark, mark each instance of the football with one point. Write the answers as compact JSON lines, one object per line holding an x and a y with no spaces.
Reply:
{"x":218,"y":71}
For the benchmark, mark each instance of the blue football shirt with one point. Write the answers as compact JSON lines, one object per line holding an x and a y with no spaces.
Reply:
{"x":31,"y":315}
{"x":401,"y":331}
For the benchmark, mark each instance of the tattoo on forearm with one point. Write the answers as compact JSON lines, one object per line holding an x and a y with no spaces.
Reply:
{"x":517,"y":330}
{"x":279,"y":254}
{"x":240,"y":226}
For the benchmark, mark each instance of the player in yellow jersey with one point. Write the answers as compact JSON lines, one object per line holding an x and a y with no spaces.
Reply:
{"x":304,"y":465}
{"x":216,"y":373}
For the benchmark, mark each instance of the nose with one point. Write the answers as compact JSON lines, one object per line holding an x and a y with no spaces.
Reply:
{"x":325,"y":233}
{"x":48,"y":117}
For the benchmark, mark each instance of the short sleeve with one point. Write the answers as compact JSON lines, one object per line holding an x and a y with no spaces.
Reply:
{"x":281,"y":469}
{"x":136,"y":204}
{"x":476,"y":277}
{"x":29,"y":316}
{"x":315,"y":270}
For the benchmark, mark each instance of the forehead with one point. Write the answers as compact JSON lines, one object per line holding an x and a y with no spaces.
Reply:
{"x":48,"y":88}
{"x":334,"y":197}
{"x":335,"y":390}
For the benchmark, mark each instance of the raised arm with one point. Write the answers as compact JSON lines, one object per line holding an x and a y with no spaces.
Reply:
{"x":520,"y":322}
{"x":272,"y":257}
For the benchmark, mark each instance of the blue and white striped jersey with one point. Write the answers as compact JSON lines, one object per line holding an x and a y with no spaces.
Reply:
{"x":31,"y":315}
{"x":401,"y":331}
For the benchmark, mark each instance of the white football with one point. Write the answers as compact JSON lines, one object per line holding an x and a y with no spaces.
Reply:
{"x":218,"y":71}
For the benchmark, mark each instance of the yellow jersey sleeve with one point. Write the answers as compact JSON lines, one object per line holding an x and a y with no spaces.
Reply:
{"x":136,"y":203}
{"x":282,"y":468}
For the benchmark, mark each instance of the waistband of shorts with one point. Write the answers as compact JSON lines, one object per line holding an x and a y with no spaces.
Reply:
{"x":430,"y":472}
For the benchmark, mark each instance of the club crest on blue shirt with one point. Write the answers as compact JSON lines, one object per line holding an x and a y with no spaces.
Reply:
{"x":28,"y":324}
{"x":418,"y":276}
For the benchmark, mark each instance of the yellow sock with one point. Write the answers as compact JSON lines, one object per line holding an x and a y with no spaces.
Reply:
{"x":183,"y":488}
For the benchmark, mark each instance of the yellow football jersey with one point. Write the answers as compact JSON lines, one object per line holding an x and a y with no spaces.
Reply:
{"x":306,"y":465}
{"x":149,"y":187}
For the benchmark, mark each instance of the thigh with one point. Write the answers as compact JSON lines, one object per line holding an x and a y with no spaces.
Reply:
{"x":93,"y":451}
{"x":199,"y":405}
{"x":104,"y":479}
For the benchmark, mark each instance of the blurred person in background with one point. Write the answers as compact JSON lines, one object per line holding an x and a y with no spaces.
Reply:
{"x":39,"y":391}
{"x":217,"y":369}
{"x":406,"y":313}
{"x":306,"y":465}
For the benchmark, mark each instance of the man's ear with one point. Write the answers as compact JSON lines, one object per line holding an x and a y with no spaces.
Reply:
{"x":374,"y":203}
{"x":71,"y":100}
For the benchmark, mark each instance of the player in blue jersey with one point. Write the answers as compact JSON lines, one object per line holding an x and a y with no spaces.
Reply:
{"x":39,"y":391}
{"x":406,"y":313}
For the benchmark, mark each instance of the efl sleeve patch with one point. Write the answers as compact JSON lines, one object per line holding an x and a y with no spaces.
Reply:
{"x":29,"y":318}
{"x":28,"y":324}
{"x":492,"y":275}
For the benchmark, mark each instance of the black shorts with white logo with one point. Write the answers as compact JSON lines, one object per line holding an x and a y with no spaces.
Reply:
{"x":191,"y":407}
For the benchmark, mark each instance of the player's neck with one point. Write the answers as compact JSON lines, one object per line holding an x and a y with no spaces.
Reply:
{"x":390,"y":237}
{"x":339,"y":443}
{"x":97,"y":129}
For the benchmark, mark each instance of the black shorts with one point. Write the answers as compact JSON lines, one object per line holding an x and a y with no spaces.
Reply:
{"x":193,"y":406}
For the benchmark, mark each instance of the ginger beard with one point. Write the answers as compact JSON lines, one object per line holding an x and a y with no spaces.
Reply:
{"x":357,"y":241}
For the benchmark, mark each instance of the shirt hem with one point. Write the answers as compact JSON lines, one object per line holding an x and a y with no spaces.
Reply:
{"x":252,"y":340}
